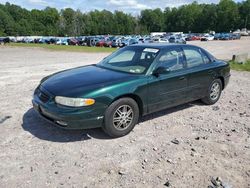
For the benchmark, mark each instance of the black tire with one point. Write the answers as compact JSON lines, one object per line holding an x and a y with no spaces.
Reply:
{"x":209,"y":100}
{"x":110,"y":127}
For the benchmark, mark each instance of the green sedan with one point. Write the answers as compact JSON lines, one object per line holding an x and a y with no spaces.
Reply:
{"x":130,"y":83}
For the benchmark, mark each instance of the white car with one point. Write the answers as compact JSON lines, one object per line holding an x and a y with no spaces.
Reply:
{"x":160,"y":40}
{"x":207,"y":37}
{"x":62,"y":41}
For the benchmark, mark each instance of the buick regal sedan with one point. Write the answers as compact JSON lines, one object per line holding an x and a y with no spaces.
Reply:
{"x":131,"y":82}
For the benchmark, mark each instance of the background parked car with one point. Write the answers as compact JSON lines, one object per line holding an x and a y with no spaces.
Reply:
{"x":91,"y":41}
{"x":236,"y":36}
{"x":160,"y":40}
{"x":217,"y":36}
{"x":174,"y":39}
{"x":207,"y":37}
{"x":226,"y":36}
{"x":62,"y":41}
{"x":4,"y":40}
{"x":116,"y":42}
{"x":81,"y":41}
{"x":108,"y":43}
{"x":73,"y":41}
{"x":27,"y":40}
{"x":125,"y":40}
{"x":104,"y":42}
{"x":192,"y":37}
{"x":128,"y":42}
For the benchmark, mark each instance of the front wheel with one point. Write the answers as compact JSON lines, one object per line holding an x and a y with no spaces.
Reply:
{"x":121,"y":117}
{"x":213,"y":93}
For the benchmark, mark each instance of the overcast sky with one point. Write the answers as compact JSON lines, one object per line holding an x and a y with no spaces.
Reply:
{"x":130,"y":6}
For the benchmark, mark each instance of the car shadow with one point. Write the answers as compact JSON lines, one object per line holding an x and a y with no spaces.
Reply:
{"x":170,"y":110}
{"x":44,"y":130}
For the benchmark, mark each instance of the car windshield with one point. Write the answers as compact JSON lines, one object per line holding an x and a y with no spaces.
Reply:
{"x":135,"y":60}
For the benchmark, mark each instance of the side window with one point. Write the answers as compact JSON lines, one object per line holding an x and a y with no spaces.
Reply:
{"x":123,"y":57}
{"x":194,"y":57}
{"x":171,"y":60}
{"x":205,"y":58}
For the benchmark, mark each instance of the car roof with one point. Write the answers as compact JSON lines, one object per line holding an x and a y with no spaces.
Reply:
{"x":162,"y":45}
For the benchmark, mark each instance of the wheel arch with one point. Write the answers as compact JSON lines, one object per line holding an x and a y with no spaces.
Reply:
{"x":222,"y":81}
{"x":135,"y":97}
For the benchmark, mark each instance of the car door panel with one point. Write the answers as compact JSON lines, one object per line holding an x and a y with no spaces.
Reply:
{"x":200,"y":73}
{"x":166,"y":91}
{"x":199,"y":79}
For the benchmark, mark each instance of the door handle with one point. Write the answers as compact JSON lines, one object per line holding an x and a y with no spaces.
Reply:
{"x":182,"y":78}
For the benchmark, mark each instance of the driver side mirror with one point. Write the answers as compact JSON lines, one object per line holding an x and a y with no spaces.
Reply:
{"x":160,"y":70}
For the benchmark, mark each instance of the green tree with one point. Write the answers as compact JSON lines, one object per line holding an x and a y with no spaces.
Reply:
{"x":68,"y":22}
{"x":152,"y":19}
{"x":244,"y":11}
{"x":187,"y":17}
{"x":208,"y":19}
{"x":7,"y":24}
{"x":50,"y":19}
{"x":194,"y":17}
{"x":228,"y":16}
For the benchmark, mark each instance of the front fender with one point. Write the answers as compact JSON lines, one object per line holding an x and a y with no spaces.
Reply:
{"x":108,"y":94}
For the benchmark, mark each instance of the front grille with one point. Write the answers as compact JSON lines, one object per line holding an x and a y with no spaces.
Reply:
{"x":43,"y":96}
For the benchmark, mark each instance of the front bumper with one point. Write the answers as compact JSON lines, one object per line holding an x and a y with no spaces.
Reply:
{"x":69,"y":118}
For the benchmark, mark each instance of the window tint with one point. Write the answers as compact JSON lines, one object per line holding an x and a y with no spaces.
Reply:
{"x":124,"y":56}
{"x":193,"y":57}
{"x":171,"y":60}
{"x":132,"y":59}
{"x":205,"y":58}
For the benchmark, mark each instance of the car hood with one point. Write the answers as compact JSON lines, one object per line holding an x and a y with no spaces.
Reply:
{"x":82,"y":80}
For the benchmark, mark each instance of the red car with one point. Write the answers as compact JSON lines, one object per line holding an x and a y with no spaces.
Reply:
{"x":108,"y":43}
{"x":100,"y":43}
{"x":195,"y":37}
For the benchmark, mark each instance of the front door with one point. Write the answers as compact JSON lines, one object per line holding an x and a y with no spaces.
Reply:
{"x":168,"y":88}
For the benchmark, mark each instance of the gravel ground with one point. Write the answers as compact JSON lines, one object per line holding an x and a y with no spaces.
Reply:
{"x":226,"y":49}
{"x":186,"y":146}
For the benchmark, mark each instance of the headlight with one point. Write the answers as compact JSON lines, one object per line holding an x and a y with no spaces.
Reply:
{"x":74,"y":102}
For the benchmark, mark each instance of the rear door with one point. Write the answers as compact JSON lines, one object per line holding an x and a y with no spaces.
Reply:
{"x":200,"y":72}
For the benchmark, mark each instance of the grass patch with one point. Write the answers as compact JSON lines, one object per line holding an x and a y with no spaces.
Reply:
{"x":64,"y":48}
{"x":240,"y":67}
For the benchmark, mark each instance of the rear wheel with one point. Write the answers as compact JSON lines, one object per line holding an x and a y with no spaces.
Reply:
{"x":121,"y":117}
{"x":213,"y":93}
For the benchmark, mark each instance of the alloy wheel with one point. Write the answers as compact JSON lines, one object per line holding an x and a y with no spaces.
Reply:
{"x":123,"y":117}
{"x":215,"y":91}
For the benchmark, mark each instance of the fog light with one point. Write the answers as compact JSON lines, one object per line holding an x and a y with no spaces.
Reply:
{"x":62,"y":123}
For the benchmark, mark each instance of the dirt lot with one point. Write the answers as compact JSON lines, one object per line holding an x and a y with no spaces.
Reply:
{"x":213,"y":141}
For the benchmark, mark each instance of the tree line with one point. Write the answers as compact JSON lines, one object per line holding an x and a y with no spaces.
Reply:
{"x":225,"y":16}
